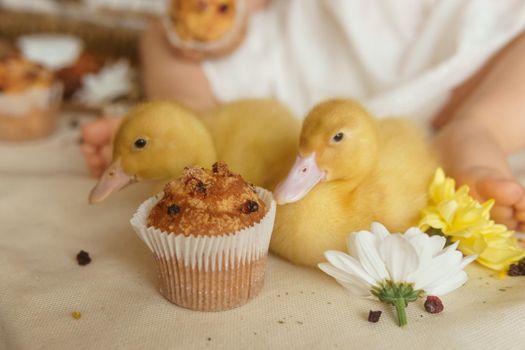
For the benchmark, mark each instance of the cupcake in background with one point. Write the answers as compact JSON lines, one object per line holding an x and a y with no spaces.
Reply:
{"x":208,"y":27}
{"x":62,"y":54}
{"x":209,"y":233}
{"x":29,"y":99}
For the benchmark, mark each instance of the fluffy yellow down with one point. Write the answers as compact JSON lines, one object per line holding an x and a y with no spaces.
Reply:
{"x":379,"y":172}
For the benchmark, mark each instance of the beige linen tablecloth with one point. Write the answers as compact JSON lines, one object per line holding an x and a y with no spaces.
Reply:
{"x":45,"y":221}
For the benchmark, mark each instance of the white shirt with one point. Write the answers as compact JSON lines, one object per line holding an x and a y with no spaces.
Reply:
{"x":397,"y":57}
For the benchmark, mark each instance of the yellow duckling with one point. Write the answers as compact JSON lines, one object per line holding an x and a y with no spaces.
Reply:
{"x":351,"y":170}
{"x":156,"y":140}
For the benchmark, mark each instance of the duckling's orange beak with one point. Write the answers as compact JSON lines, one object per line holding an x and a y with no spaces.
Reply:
{"x":113,"y":179}
{"x":303,"y":176}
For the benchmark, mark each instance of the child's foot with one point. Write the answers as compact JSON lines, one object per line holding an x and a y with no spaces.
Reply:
{"x":96,"y":143}
{"x":509,"y":195}
{"x":472,"y":157}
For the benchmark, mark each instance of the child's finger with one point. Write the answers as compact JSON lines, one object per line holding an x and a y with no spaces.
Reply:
{"x":97,"y":132}
{"x":520,"y":204}
{"x":500,"y":212}
{"x":87,"y":149}
{"x":520,"y":215}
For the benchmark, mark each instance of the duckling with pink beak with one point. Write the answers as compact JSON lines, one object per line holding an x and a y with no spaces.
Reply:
{"x":351,"y":170}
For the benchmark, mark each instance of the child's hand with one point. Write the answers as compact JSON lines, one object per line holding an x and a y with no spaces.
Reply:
{"x":97,"y":145}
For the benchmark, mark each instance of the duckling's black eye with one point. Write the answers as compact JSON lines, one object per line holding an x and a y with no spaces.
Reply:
{"x":140,"y":143}
{"x":338,"y":137}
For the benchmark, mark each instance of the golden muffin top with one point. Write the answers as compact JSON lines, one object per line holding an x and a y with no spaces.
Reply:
{"x":207,"y":202}
{"x":202,"y":20}
{"x":17,"y":74}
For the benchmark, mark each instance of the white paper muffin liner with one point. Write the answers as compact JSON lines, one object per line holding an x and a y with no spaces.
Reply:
{"x":209,"y":273}
{"x":18,"y":105}
{"x":211,"y":46}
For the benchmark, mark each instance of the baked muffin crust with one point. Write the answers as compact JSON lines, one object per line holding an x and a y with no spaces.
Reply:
{"x":207,"y":202}
{"x":18,"y":74}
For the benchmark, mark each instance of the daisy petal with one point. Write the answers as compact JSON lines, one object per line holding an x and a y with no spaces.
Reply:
{"x":399,"y":256}
{"x":353,"y":284}
{"x":349,"y":265}
{"x":334,"y":272}
{"x":422,"y":245}
{"x":366,"y":246}
{"x":439,"y":271}
{"x":379,"y":230}
{"x":453,"y":283}
{"x":437,"y":243}
{"x":356,"y":288}
{"x":467,"y":260}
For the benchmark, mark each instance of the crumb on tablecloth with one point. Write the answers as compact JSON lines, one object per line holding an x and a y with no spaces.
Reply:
{"x":374,"y":316}
{"x":76,"y":315}
{"x":433,"y":305}
{"x":517,"y":269}
{"x":83,"y":258}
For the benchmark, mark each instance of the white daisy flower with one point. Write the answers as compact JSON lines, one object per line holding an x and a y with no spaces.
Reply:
{"x":397,"y":268}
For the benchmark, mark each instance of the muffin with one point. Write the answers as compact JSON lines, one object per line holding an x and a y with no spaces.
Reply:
{"x":29,"y":97}
{"x":202,"y":20}
{"x":205,"y":25}
{"x":209,"y":232}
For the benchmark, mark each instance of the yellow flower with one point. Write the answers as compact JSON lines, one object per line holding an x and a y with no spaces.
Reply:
{"x":461,"y":218}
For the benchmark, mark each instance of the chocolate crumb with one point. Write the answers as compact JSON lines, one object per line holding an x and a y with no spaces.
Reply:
{"x":502,"y":289}
{"x":280,"y":321}
{"x":517,"y":269}
{"x":374,"y":316}
{"x":209,"y":339}
{"x":221,"y":168}
{"x":201,"y":187}
{"x":83,"y":258}
{"x":433,"y":305}
{"x":173,"y":209}
{"x":249,"y":207}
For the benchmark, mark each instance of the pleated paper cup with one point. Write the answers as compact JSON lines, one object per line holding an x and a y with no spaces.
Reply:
{"x":30,"y":114}
{"x":209,"y":273}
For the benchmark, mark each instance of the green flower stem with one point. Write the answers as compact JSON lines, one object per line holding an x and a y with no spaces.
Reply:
{"x":398,"y":294}
{"x":400,"y":303}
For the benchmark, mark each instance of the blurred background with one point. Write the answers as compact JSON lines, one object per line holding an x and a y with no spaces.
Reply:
{"x":97,"y":34}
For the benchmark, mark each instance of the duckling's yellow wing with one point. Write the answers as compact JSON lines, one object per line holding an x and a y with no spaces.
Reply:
{"x":257,"y":138}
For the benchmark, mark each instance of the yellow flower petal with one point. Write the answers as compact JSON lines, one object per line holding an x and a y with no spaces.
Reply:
{"x":461,"y":218}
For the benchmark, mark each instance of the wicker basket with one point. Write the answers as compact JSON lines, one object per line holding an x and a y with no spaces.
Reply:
{"x":100,"y":37}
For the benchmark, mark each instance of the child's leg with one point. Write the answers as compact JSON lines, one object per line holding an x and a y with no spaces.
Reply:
{"x":483,"y":124}
{"x":166,"y":75}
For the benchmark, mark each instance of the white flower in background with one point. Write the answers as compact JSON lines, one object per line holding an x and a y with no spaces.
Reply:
{"x":53,"y":51}
{"x":397,"y":268}
{"x":113,"y":81}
